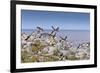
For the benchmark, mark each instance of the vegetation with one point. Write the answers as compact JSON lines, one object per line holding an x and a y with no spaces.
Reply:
{"x":35,"y":49}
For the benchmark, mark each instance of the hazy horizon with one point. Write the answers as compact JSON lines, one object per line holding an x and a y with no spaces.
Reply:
{"x":30,"y":19}
{"x":59,"y":30}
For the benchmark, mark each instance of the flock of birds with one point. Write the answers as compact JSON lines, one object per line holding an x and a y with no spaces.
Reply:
{"x":40,"y":46}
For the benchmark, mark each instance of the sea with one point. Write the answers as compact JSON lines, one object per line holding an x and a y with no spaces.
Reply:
{"x":75,"y":36}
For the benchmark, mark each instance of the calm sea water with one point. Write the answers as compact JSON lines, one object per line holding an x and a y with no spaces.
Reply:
{"x":75,"y":36}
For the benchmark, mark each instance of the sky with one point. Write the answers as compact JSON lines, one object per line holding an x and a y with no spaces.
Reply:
{"x":30,"y":19}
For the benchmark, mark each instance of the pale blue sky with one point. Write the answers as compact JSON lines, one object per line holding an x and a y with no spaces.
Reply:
{"x":30,"y":19}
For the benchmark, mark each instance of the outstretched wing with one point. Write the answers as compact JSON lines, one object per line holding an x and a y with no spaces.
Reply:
{"x":65,"y":37}
{"x":61,"y":37}
{"x":55,"y":29}
{"x":40,"y":28}
{"x":54,"y":35}
{"x":29,"y":36}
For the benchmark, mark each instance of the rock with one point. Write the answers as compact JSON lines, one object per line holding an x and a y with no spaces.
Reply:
{"x":83,"y":52}
{"x":43,"y":47}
